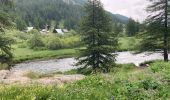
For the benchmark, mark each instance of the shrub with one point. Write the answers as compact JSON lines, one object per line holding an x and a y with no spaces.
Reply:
{"x":54,"y":43}
{"x":149,"y":84}
{"x":71,"y":42}
{"x":22,"y":35}
{"x":22,"y":45}
{"x":34,"y":31}
{"x":35,"y":42}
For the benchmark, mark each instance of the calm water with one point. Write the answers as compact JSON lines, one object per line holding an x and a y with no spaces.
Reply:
{"x":68,"y":63}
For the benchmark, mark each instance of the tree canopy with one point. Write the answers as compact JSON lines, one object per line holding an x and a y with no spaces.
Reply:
{"x":157,"y":33}
{"x":5,"y":43}
{"x":98,"y":36}
{"x":38,"y":13}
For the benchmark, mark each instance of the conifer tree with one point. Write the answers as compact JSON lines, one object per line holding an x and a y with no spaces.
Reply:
{"x":132,"y":27}
{"x":118,"y":28}
{"x":157,"y":34}
{"x":5,"y":43}
{"x":97,"y":35}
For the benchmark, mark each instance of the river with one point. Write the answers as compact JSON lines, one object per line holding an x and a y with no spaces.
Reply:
{"x":66,"y":64}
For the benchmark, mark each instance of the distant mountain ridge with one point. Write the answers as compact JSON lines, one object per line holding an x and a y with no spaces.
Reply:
{"x":38,"y":13}
{"x":76,"y":2}
{"x":122,"y":17}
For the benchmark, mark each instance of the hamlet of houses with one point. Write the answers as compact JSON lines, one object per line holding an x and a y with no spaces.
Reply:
{"x":46,"y":30}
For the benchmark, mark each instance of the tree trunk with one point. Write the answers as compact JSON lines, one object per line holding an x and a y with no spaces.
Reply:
{"x":166,"y":33}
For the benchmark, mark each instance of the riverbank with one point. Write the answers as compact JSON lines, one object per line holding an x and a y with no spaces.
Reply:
{"x":66,"y":64}
{"x":30,"y":78}
{"x":26,"y":54}
{"x":123,"y":82}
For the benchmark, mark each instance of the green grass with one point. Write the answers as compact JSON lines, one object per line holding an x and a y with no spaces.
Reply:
{"x":24,"y":54}
{"x":128,"y":43}
{"x":125,"y":82}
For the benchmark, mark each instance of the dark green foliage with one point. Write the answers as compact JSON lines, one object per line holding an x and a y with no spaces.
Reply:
{"x":118,"y":28}
{"x":21,"y":25}
{"x":6,"y":4}
{"x":157,"y":35}
{"x":132,"y":27}
{"x":152,"y":39}
{"x":149,"y":84}
{"x":98,"y":37}
{"x":5,"y":42}
{"x":5,"y":21}
{"x":5,"y":49}
{"x":38,"y":13}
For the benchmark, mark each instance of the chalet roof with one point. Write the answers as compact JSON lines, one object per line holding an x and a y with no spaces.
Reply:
{"x":29,"y":28}
{"x":59,"y":31}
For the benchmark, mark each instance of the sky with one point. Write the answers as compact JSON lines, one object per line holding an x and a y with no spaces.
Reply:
{"x":130,"y":8}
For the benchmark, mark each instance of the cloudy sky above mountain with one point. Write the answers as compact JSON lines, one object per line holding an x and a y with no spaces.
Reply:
{"x":130,"y":8}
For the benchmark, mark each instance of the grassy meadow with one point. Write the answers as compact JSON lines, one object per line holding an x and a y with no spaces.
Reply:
{"x":122,"y":83}
{"x":128,"y":43}
{"x":33,"y":45}
{"x":24,"y":54}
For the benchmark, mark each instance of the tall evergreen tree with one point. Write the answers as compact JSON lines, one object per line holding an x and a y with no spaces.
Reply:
{"x":21,"y":25}
{"x":132,"y":27}
{"x":5,"y":43}
{"x":157,"y":33}
{"x":98,"y":37}
{"x":118,"y":28}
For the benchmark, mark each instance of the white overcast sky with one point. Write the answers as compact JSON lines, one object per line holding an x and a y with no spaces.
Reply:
{"x":129,"y":8}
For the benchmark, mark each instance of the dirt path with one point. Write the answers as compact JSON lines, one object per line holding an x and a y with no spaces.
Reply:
{"x":18,"y":77}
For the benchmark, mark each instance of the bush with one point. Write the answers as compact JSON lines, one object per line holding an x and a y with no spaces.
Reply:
{"x":22,"y":45}
{"x":34,"y":31}
{"x":35,"y":42}
{"x":149,"y":84}
{"x":71,"y":42}
{"x":54,"y":43}
{"x":22,"y":36}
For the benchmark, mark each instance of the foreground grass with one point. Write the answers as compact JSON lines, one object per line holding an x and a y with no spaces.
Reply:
{"x":124,"y":83}
{"x":24,"y":54}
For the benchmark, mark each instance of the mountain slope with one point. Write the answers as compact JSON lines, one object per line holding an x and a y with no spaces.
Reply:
{"x":59,"y":13}
{"x":122,"y":18}
{"x":75,"y":2}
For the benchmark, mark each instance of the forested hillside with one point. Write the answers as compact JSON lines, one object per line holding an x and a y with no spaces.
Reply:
{"x":56,"y":13}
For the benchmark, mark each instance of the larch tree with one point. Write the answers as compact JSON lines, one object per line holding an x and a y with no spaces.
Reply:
{"x":98,"y":36}
{"x":157,"y":33}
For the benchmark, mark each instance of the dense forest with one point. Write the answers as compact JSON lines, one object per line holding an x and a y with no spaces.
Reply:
{"x":56,"y":13}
